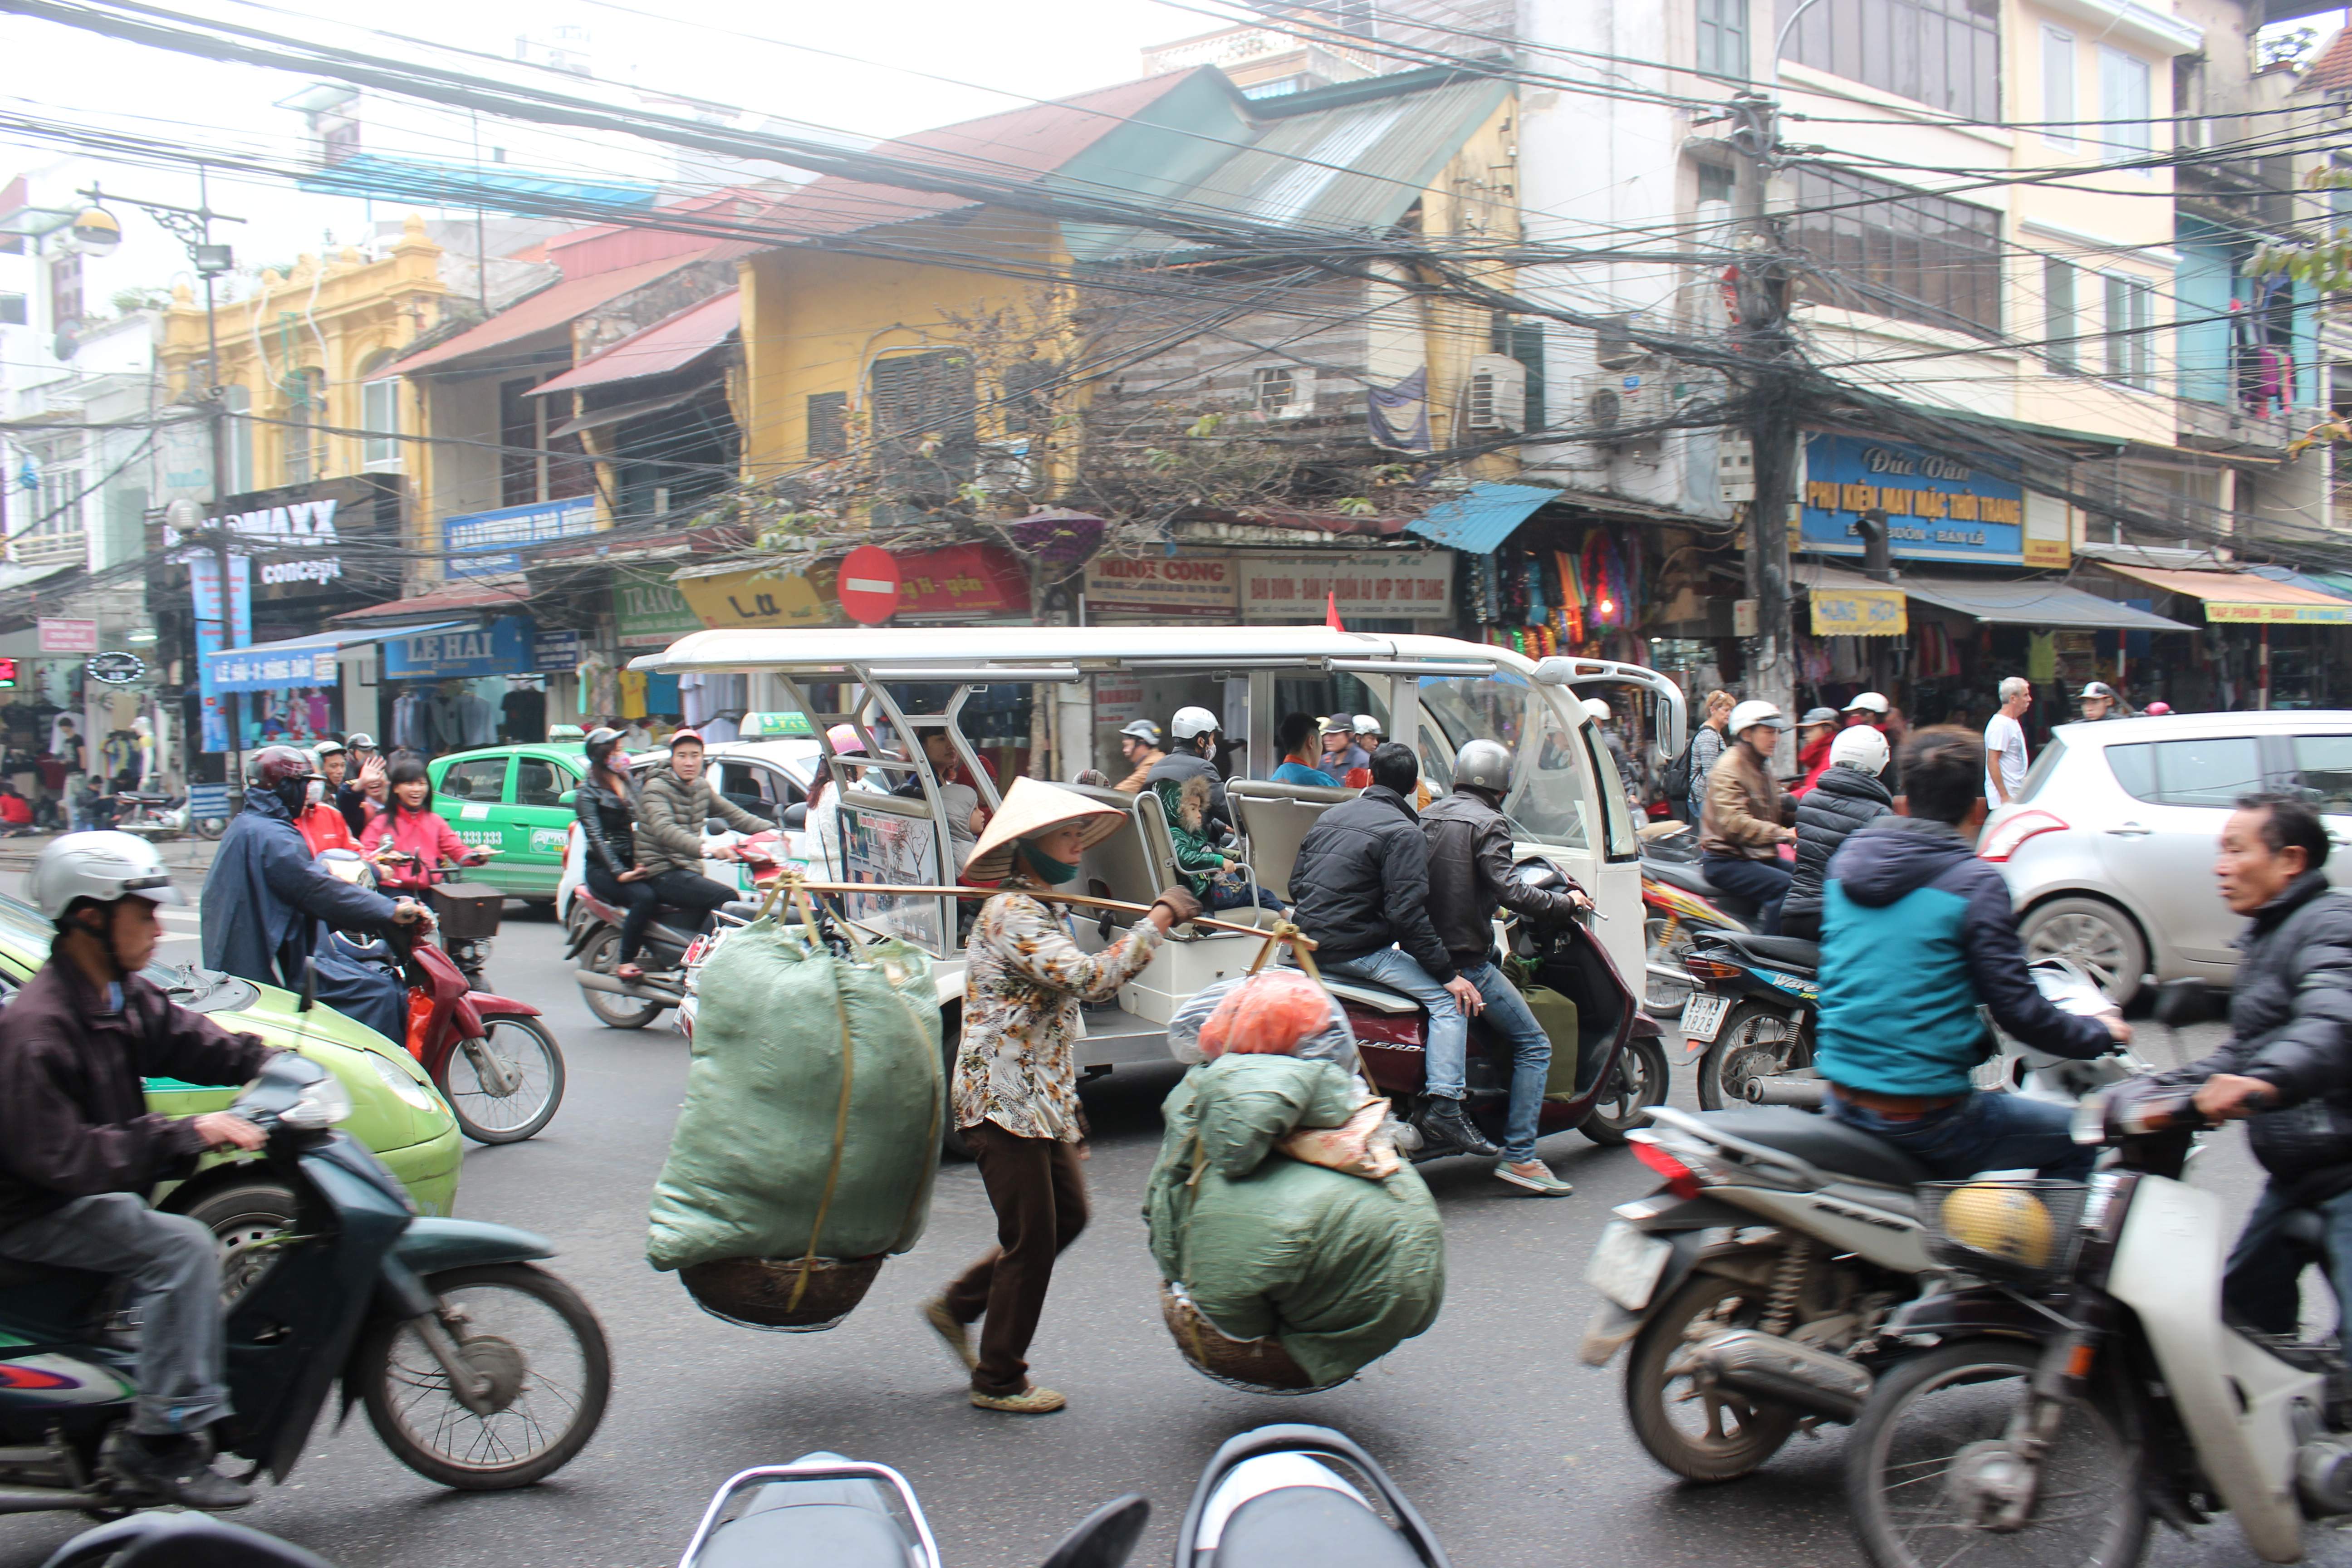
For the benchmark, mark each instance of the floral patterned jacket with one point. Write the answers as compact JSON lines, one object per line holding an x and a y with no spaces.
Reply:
{"x":1024,"y":985}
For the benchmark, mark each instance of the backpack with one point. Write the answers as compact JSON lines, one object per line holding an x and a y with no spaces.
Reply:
{"x":1676,"y":780}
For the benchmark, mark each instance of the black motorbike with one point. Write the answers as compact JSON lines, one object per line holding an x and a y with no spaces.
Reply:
{"x":479,"y":1370}
{"x":1753,"y":1012}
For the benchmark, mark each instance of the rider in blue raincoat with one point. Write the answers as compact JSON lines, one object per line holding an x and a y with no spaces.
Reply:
{"x":264,"y":900}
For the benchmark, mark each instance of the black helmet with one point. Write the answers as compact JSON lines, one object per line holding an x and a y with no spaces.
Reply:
{"x":601,"y":743}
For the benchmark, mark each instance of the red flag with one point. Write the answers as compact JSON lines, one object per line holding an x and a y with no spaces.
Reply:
{"x":1331,"y":609}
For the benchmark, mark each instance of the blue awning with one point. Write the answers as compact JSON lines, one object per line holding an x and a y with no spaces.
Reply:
{"x":297,"y":661}
{"x":1480,"y":520}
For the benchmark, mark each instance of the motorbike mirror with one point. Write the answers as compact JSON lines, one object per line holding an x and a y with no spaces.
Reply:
{"x":796,"y":815}
{"x":1105,"y":1537}
{"x":2179,"y":1003}
{"x":714,"y":825}
{"x":567,"y":797}
{"x":310,"y":985}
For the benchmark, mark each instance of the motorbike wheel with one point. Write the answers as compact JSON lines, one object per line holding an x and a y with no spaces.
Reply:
{"x":209,"y":827}
{"x":1754,"y":1042}
{"x":1700,"y":1434}
{"x":1922,"y":1418}
{"x":246,"y":1220}
{"x":516,"y":1044}
{"x":549,"y":1369}
{"x":1662,"y":998}
{"x":1638,"y":1081}
{"x":612,"y":1009}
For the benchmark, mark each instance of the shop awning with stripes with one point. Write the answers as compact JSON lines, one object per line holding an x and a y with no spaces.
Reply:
{"x":2243,"y":597}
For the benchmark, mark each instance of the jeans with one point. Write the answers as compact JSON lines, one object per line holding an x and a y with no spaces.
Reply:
{"x":1982,"y":1132}
{"x":1446,"y":1053}
{"x":2261,"y":1287}
{"x":174,"y":1270}
{"x":1765,"y":881}
{"x":637,"y":900}
{"x":1040,"y":1198}
{"x":1508,"y":1016}
{"x":692,"y":891}
{"x":1235,"y":896}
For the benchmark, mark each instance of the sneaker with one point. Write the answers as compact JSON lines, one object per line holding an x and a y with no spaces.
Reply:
{"x":1535,"y":1176}
{"x":956,"y":1336}
{"x":178,"y":1473}
{"x":1030,"y":1401}
{"x":1449,"y":1130}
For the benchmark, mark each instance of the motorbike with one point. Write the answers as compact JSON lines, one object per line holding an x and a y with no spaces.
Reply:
{"x":1604,"y":1080}
{"x":2083,"y":1378}
{"x":673,"y":947}
{"x":155,"y":817}
{"x":479,"y":1370}
{"x":467,"y":914}
{"x":493,"y":1058}
{"x":1751,"y":1015}
{"x":1678,"y":904}
{"x":1758,"y":1286}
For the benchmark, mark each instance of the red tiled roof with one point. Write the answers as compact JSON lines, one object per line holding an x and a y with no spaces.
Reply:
{"x":2332,"y":71}
{"x":671,"y":343}
{"x":472,"y":597}
{"x":556,"y":306}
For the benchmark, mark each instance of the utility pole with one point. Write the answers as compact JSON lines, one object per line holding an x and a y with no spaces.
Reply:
{"x":1760,"y":335}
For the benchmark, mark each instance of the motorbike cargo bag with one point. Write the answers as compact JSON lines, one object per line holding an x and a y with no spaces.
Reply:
{"x":806,"y":1148}
{"x":1556,"y":1011}
{"x":466,"y":911}
{"x":1336,"y":1268}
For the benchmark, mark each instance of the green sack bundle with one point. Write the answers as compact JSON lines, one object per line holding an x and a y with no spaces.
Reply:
{"x":813,"y":1110}
{"x":1338,"y":1268}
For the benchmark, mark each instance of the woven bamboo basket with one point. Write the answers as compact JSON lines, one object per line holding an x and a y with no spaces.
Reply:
{"x":1253,"y":1366}
{"x":760,"y":1292}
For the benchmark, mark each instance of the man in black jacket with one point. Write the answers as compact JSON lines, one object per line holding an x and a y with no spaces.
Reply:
{"x":2288,"y":1061}
{"x":1361,"y":887}
{"x":80,"y":1150}
{"x":1470,"y":877}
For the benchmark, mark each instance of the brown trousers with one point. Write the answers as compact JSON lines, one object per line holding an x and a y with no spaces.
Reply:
{"x":1040,"y":1200}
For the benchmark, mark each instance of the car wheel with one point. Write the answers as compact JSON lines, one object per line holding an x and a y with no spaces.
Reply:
{"x":2095,"y":935}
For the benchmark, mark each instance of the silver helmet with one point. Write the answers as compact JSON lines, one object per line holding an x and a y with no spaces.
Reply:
{"x":1484,"y":764}
{"x":101,"y":867}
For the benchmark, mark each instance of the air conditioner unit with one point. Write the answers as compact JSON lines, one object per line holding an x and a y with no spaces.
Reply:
{"x":1624,"y":400}
{"x":1498,"y":393}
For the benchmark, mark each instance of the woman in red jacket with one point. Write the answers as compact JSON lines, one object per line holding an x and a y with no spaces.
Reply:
{"x":409,"y":841}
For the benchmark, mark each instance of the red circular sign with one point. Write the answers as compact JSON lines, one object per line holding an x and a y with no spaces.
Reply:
{"x":869,"y":585}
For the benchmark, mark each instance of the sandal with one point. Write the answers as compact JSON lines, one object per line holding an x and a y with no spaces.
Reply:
{"x":628,"y":973}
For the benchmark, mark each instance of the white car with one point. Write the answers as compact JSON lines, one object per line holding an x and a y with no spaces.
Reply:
{"x":2108,"y":850}
{"x":766,"y":778}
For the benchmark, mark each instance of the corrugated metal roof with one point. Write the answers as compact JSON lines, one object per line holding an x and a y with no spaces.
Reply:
{"x":671,"y":343}
{"x":558,"y":305}
{"x":1480,"y":520}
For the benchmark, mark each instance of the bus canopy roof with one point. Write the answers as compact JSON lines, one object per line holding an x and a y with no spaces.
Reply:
{"x":828,"y":650}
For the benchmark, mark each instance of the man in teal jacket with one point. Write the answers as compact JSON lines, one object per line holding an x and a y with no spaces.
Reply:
{"x":1917,"y":934}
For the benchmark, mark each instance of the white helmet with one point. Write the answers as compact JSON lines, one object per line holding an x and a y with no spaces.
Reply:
{"x":1191,"y":722}
{"x":1868,"y":702}
{"x":1862,"y":747}
{"x":101,"y":867}
{"x":1600,"y":710}
{"x":1755,"y":711}
{"x":1367,"y":725}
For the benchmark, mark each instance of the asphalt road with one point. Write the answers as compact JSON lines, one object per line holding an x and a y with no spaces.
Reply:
{"x":1515,"y":1451}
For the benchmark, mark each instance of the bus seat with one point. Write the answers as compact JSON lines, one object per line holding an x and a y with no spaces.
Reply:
{"x":1274,"y":818}
{"x":1121,"y":862}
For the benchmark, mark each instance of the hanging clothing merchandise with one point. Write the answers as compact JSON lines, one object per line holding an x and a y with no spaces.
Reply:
{"x":1602,"y":572}
{"x":1489,"y":590}
{"x":632,"y":683}
{"x":1531,"y":569}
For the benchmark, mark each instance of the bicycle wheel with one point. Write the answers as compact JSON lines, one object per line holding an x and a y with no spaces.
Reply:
{"x":505,"y":1085}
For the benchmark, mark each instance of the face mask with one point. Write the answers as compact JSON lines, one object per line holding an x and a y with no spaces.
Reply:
{"x":1044,"y":866}
{"x":317,"y":794}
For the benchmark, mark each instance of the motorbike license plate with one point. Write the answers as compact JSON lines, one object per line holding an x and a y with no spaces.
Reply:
{"x":1703,"y":1014}
{"x":1626,"y":1264}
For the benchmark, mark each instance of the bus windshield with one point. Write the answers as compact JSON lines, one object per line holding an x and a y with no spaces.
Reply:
{"x":1553,"y":799}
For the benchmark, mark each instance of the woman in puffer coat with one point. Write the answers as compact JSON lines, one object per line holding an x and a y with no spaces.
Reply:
{"x":1848,"y":793}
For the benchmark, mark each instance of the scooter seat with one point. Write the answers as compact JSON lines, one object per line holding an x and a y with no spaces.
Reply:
{"x":1779,"y":952}
{"x":834,"y":1535}
{"x":1819,"y":1141}
{"x":1309,"y":1524}
{"x":1683,"y":874}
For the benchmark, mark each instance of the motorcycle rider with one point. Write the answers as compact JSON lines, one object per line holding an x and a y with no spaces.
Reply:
{"x":1470,"y":877}
{"x":81,"y":1152}
{"x":321,"y":824}
{"x":1849,"y":794}
{"x":1740,"y":834}
{"x":672,"y":806}
{"x":264,"y":900}
{"x":1139,"y":743}
{"x":360,"y":785}
{"x":606,"y":807}
{"x":2287,"y":1064}
{"x":1361,"y":888}
{"x":1917,"y":934}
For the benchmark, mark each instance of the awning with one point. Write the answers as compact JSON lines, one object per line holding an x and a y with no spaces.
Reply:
{"x":558,"y":305}
{"x":596,"y":419}
{"x":403,"y":614}
{"x":671,"y":343}
{"x":2037,"y":601}
{"x":297,"y":661}
{"x":2334,"y":585}
{"x":1480,"y":520}
{"x":2241,"y":596}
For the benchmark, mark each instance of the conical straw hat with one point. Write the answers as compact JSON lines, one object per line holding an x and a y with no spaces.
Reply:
{"x":1032,"y":806}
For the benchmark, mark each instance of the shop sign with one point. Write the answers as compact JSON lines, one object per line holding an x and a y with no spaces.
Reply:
{"x":1859,"y":612}
{"x":556,"y":653}
{"x":2278,"y":615}
{"x":1399,"y":585}
{"x":289,"y":533}
{"x":212,"y":635}
{"x":1938,"y":508}
{"x":67,"y":636}
{"x":117,"y":669}
{"x":503,"y":647}
{"x":651,"y":615}
{"x":1166,"y":587}
{"x":487,"y":543}
{"x":963,"y":582}
{"x":755,"y":598}
{"x":242,"y":670}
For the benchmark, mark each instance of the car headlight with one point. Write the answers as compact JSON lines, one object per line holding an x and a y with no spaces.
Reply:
{"x":320,"y":1106}
{"x":419,"y":1095}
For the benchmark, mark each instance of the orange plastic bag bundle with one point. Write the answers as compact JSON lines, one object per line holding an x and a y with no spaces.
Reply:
{"x":1279,"y":1012}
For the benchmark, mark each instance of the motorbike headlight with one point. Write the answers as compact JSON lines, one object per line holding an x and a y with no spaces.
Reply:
{"x":320,"y":1106}
{"x":413,"y":1093}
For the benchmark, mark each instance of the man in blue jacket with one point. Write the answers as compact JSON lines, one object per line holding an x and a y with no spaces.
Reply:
{"x":1916,"y":933}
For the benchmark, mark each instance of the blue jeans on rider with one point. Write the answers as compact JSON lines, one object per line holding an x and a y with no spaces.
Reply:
{"x":1446,"y":1052}
{"x":1509,"y":1018}
{"x":1765,"y":881}
{"x":2262,"y":1285}
{"x":1221,"y":895}
{"x":1982,"y":1132}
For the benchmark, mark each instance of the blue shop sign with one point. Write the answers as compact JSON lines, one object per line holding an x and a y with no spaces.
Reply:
{"x":1939,"y":507}
{"x":503,"y":647}
{"x":486,"y":544}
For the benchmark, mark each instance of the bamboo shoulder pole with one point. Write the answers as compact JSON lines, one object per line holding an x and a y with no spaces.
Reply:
{"x":1085,"y":900}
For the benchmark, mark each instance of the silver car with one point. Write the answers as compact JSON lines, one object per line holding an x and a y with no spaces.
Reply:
{"x":2108,"y":850}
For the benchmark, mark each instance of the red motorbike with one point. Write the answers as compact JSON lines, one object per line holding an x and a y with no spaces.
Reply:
{"x":672,"y":947}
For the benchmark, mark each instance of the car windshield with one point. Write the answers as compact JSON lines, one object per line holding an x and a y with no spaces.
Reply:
{"x":21,"y":926}
{"x":1549,"y":802}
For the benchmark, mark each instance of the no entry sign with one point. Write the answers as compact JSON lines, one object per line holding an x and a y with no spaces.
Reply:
{"x":869,"y":585}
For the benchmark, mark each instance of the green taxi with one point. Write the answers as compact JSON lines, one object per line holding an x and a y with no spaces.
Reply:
{"x":395,"y":1110}
{"x":515,"y":801}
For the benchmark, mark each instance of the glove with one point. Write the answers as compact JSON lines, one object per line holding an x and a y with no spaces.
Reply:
{"x":1180,"y":903}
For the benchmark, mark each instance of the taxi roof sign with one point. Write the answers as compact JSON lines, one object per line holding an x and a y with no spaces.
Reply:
{"x":773,"y":726}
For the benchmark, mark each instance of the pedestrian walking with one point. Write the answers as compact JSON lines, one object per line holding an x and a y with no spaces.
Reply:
{"x":2004,"y":741}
